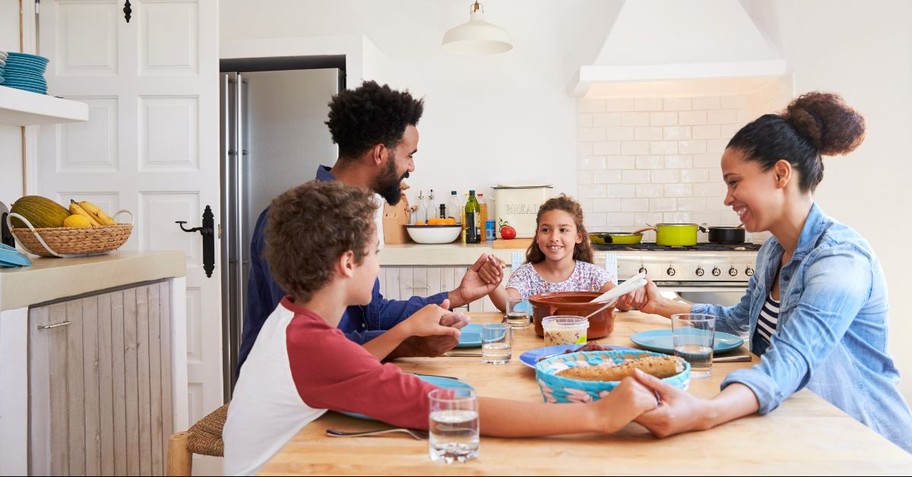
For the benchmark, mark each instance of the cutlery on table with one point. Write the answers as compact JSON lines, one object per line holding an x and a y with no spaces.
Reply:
{"x":437,"y":376}
{"x":416,"y":433}
{"x":462,"y":354}
{"x":731,"y":359}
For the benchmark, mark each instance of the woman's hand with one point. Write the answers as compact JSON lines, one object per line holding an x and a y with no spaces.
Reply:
{"x":623,"y":404}
{"x":678,"y":412}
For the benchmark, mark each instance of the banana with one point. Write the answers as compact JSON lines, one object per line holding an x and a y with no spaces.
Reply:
{"x":100,"y":216}
{"x":75,"y":208}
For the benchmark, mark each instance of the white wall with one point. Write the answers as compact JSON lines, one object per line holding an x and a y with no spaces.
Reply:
{"x":863,"y":50}
{"x":508,"y":117}
{"x":10,"y":136}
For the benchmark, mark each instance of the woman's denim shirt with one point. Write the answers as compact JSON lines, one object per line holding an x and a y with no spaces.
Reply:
{"x":832,"y":330}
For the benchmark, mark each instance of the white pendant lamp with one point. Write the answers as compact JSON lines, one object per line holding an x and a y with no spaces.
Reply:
{"x":476,"y":36}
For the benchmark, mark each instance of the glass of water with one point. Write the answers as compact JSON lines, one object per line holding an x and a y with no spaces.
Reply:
{"x":453,"y":425}
{"x":518,"y":313}
{"x":496,"y":343}
{"x":694,"y":337}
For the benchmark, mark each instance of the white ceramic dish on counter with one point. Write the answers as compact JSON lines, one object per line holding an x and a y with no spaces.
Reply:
{"x":428,"y":234}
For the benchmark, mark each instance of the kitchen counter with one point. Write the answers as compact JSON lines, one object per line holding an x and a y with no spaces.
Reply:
{"x":64,"y":279}
{"x":50,"y":279}
{"x":448,"y":254}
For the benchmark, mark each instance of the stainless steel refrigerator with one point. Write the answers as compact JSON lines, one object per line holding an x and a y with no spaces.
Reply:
{"x":273,"y":137}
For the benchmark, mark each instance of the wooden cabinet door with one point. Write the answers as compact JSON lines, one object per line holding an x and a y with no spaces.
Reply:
{"x":100,"y":384}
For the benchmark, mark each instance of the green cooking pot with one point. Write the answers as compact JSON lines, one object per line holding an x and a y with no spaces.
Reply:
{"x":618,"y":238}
{"x":676,"y":235}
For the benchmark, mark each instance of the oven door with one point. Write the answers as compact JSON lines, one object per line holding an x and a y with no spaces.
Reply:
{"x":716,"y":293}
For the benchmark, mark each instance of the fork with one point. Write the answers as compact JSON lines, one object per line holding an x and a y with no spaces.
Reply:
{"x":416,"y":433}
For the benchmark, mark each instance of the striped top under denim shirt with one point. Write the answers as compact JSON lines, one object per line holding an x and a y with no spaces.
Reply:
{"x":769,"y":318}
{"x":832,"y":330}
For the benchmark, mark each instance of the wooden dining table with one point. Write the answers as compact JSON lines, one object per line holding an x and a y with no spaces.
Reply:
{"x":805,"y":435}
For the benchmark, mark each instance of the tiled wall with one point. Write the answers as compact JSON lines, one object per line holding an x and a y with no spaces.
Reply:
{"x":656,"y":159}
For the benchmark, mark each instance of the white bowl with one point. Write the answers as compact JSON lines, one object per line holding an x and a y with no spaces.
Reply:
{"x":433,"y":233}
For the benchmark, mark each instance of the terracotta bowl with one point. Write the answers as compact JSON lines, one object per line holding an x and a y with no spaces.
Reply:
{"x":573,"y":303}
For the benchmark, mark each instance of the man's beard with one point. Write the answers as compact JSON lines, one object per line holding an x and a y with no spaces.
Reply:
{"x":388,"y":183}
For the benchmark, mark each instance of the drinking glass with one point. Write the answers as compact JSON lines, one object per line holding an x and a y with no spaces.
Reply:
{"x":518,"y":313}
{"x":453,"y":425}
{"x":694,"y":337}
{"x":496,"y":343}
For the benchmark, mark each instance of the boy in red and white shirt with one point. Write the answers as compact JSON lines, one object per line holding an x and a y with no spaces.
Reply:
{"x":321,"y":246}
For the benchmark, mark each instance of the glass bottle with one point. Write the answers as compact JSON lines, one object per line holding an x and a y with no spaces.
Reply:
{"x":443,"y":214}
{"x":473,"y":230}
{"x":455,"y":207}
{"x":482,"y":215}
{"x":421,"y":216}
{"x":431,"y":208}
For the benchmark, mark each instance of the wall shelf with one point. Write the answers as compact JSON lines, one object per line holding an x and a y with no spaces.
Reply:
{"x":24,"y":108}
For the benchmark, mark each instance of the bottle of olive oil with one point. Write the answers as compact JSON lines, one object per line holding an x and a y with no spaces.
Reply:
{"x":473,"y":227}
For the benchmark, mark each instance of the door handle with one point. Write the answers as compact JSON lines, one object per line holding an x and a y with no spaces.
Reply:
{"x":208,"y":233}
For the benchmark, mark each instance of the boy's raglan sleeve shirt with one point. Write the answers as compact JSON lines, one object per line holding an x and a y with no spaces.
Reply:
{"x":332,"y":372}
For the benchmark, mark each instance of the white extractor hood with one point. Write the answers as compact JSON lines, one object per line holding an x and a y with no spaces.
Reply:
{"x":684,"y":47}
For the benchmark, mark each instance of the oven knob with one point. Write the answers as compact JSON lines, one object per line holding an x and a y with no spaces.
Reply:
{"x":749,"y":271}
{"x":733,"y":272}
{"x":642,"y":270}
{"x":716,"y":272}
{"x":699,"y":271}
{"x":671,"y":272}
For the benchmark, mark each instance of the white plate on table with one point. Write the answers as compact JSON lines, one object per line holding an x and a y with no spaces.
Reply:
{"x":439,"y":381}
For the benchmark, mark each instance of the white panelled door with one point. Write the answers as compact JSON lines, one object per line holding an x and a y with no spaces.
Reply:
{"x":151,"y":144}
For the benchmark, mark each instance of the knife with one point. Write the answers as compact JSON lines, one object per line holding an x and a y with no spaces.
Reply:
{"x":732,"y":359}
{"x":462,"y":354}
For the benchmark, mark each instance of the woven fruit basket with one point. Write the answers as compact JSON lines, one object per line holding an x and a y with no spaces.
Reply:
{"x":67,"y":242}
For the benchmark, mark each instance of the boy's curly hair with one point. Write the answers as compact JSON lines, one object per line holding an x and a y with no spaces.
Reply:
{"x":371,"y":114}
{"x":310,"y":227}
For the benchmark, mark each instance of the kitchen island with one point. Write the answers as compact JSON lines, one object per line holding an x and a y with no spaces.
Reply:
{"x":70,"y":302}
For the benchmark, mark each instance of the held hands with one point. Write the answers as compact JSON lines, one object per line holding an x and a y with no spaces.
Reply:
{"x":433,"y":330}
{"x":625,"y":403}
{"x":483,"y":277}
{"x":680,"y":411}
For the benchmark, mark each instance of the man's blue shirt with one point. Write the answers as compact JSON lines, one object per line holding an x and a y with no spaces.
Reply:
{"x":360,"y":323}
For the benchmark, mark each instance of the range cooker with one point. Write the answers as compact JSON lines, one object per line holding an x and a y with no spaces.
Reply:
{"x":704,"y":273}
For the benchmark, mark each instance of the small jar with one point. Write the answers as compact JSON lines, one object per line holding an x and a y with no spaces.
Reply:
{"x":565,"y":330}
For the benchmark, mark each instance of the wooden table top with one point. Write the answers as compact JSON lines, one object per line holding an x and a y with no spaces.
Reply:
{"x":805,"y":435}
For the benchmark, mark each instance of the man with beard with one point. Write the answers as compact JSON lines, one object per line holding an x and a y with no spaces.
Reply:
{"x":376,"y":130}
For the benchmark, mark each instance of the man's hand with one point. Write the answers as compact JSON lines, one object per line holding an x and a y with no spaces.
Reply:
{"x":483,"y":277}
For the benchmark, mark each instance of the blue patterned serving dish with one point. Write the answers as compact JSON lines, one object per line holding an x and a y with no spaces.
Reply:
{"x":557,"y":389}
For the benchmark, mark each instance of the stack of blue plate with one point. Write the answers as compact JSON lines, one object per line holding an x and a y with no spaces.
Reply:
{"x":26,"y":72}
{"x":3,"y":56}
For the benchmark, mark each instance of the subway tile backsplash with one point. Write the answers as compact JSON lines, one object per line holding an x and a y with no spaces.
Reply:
{"x":656,"y":159}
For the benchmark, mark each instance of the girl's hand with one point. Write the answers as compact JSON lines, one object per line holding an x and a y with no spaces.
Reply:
{"x":647,"y":299}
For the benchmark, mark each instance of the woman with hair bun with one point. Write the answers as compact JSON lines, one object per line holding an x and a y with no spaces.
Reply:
{"x":817,"y":305}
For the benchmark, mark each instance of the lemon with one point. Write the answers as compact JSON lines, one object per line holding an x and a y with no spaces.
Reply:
{"x":76,"y":220}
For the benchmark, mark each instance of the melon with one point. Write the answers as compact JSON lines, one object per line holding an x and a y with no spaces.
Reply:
{"x":40,"y":211}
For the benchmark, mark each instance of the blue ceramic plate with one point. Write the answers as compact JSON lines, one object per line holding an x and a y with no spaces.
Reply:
{"x":10,"y":257}
{"x":662,"y":341}
{"x":529,"y":358}
{"x":470,"y":336}
{"x":438,"y":381}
